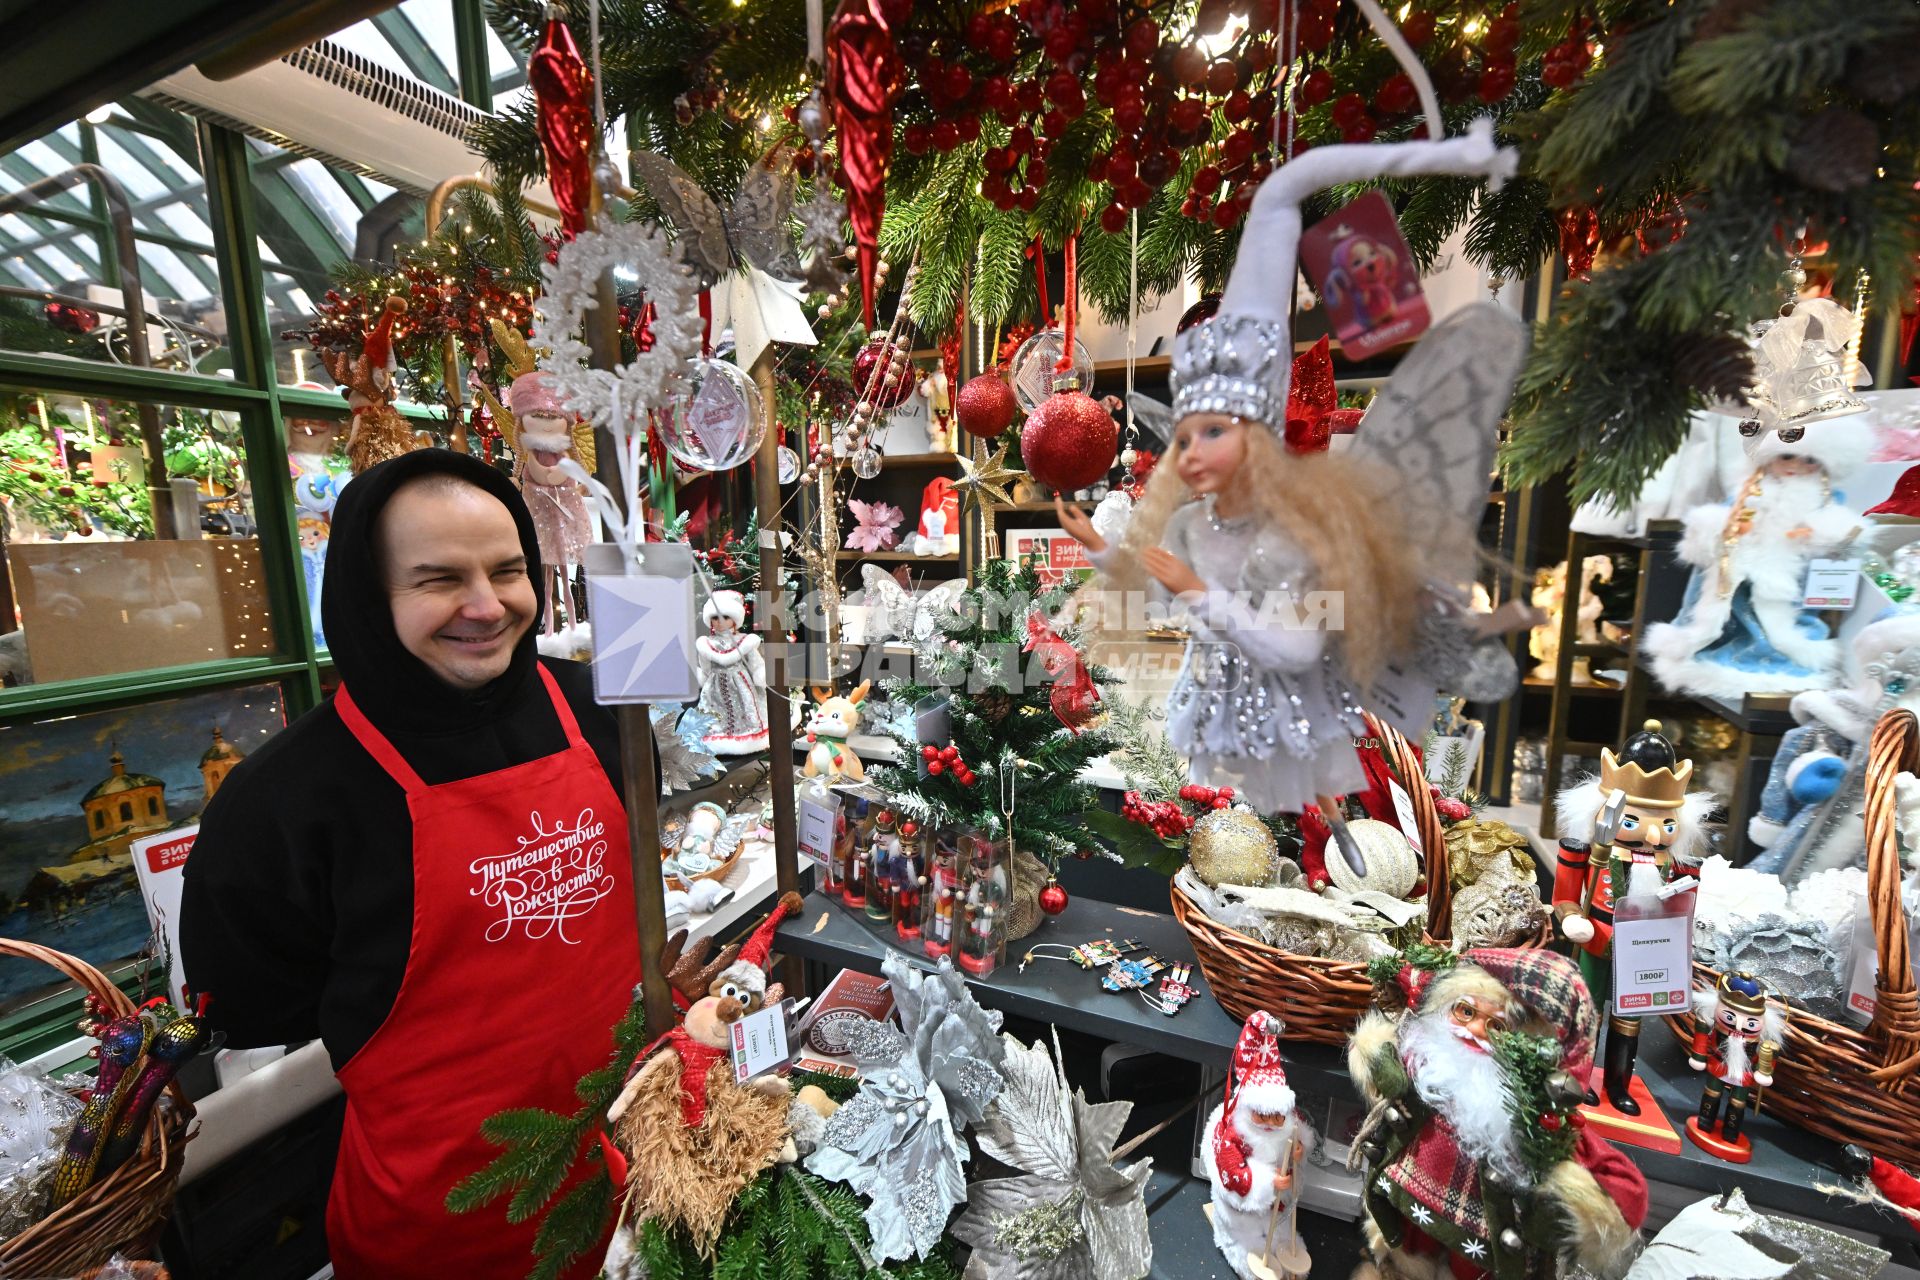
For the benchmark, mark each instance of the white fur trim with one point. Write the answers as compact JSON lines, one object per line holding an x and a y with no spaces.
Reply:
{"x":1267,"y":1099}
{"x":742,"y":974}
{"x":724,"y":604}
{"x":1840,"y":445}
{"x":1763,"y":831}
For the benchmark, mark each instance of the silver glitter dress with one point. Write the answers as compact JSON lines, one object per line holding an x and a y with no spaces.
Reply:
{"x":1262,"y":702}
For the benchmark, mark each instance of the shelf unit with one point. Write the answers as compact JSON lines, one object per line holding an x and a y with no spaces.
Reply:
{"x":1655,"y":550}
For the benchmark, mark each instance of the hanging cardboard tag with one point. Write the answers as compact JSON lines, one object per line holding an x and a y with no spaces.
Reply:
{"x":1831,"y":584}
{"x":1359,"y":263}
{"x":819,"y":814}
{"x":1653,"y":960}
{"x":758,"y":1043}
{"x":642,"y":624}
{"x":1404,"y":815}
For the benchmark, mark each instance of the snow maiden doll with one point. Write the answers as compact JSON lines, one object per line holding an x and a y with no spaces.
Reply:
{"x":1250,"y":512}
{"x":1742,"y":628}
{"x":735,"y":688}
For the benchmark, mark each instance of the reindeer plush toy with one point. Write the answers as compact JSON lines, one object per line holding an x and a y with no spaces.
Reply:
{"x":833,"y":721}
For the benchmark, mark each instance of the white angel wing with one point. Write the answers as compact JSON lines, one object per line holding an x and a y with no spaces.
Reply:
{"x":932,"y":604}
{"x":703,"y":228}
{"x":894,"y":603}
{"x":1436,"y":422}
{"x":1152,"y":415}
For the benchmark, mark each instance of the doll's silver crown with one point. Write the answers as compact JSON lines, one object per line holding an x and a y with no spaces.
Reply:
{"x":1233,"y":364}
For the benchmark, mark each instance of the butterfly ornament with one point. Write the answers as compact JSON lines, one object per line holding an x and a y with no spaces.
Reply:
{"x":899,"y":612}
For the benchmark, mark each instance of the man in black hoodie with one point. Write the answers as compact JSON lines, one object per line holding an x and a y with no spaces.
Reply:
{"x":429,"y":873}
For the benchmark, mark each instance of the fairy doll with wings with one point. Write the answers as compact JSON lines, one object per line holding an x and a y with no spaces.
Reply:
{"x":542,"y":432}
{"x":1317,"y":581}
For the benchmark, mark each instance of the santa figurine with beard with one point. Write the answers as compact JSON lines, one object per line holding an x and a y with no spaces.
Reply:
{"x":1742,"y":627}
{"x":1251,"y":1148}
{"x":1448,"y":1191}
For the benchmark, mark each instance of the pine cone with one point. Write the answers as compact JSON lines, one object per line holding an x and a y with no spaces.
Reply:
{"x":1718,"y":365}
{"x":993,"y":705}
{"x":1837,"y":150}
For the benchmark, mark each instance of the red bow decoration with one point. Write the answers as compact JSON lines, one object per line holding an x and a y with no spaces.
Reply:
{"x":1074,"y":697}
{"x":1313,"y":406}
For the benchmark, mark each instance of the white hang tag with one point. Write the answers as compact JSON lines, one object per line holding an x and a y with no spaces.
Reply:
{"x":759,"y":1043}
{"x":819,"y":814}
{"x":1831,"y":584}
{"x":1863,"y":966}
{"x":1653,"y":960}
{"x":1403,"y":812}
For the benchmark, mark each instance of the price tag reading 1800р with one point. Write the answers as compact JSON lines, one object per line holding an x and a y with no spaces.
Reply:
{"x":1653,"y":962}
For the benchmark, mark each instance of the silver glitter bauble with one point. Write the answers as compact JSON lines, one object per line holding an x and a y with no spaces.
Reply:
{"x":1232,"y":846}
{"x":1129,"y":456}
{"x":866,"y":462}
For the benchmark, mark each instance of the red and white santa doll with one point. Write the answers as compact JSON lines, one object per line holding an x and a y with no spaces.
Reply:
{"x":1252,"y":1147}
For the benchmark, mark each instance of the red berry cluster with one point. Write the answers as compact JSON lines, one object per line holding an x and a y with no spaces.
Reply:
{"x":1207,"y":797}
{"x":947,"y":760}
{"x":1168,"y":820}
{"x":1567,"y":62}
{"x":1449,"y":808}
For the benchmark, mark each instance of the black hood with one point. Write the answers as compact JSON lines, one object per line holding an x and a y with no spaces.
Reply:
{"x":394,"y":688}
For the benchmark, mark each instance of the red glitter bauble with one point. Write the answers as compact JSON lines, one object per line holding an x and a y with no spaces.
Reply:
{"x":883,"y":374}
{"x":1053,"y":899}
{"x":1207,"y":307}
{"x":1069,"y":441}
{"x":985,"y":406}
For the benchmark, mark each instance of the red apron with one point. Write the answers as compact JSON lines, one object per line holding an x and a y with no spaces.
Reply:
{"x":522,"y":959}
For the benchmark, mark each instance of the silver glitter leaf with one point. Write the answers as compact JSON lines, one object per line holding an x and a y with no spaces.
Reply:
{"x":1711,"y":1241}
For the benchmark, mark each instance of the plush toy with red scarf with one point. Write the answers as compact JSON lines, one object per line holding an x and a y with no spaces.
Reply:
{"x":691,"y":1137}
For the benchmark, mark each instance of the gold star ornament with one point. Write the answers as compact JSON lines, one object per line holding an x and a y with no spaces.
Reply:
{"x":986,"y":480}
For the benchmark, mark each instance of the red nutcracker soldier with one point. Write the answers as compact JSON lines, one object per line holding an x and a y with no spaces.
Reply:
{"x":943,"y":887}
{"x":1736,"y":1034}
{"x":1627,"y":830}
{"x":908,"y":880}
{"x":879,"y":866}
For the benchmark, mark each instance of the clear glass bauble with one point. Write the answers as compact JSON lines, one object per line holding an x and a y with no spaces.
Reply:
{"x":1032,"y":369}
{"x":866,"y":462}
{"x":715,"y":421}
{"x":789,"y":464}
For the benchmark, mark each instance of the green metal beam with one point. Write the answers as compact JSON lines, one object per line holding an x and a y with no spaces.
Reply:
{"x":28,"y":371}
{"x":231,"y":211}
{"x":470,"y":53}
{"x":103,"y":693}
{"x":414,"y":50}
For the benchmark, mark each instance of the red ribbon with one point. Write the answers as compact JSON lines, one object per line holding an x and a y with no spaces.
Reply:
{"x":563,"y":87}
{"x":1074,"y":694}
{"x":1037,"y":255}
{"x":1313,"y":406}
{"x":706,"y":322}
{"x":1065,"y":363}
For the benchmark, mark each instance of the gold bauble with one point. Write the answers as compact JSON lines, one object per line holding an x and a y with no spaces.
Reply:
{"x":1232,"y":846}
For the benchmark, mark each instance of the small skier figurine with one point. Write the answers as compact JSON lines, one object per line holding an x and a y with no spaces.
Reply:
{"x":735,"y":689}
{"x":1736,"y":1034}
{"x":1637,"y":817}
{"x":1252,"y":1148}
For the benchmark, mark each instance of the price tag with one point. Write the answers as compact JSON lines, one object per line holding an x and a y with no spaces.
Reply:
{"x":1403,"y":811}
{"x":1831,"y":584}
{"x":759,"y":1043}
{"x":818,"y":816}
{"x":1863,"y":973}
{"x":1653,"y":961}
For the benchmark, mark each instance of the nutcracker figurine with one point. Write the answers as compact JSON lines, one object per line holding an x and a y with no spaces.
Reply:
{"x":853,"y":873}
{"x":943,"y":885}
{"x":1736,"y":1035}
{"x":1624,"y":832}
{"x":882,"y":851}
{"x":909,"y":881}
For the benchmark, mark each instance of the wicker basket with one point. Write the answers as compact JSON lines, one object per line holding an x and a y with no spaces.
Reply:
{"x":1319,"y":999}
{"x":1836,"y":1080}
{"x":123,"y":1212}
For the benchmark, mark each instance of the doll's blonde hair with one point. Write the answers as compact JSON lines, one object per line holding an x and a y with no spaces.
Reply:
{"x":1343,"y":514}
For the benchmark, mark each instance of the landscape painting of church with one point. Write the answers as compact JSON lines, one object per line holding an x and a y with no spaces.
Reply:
{"x":85,"y":788}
